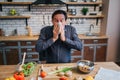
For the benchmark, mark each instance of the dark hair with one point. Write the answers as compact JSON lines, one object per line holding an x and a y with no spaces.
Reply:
{"x":60,"y":12}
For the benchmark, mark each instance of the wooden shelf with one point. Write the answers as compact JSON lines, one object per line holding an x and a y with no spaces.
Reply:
{"x":86,"y":16}
{"x":15,"y":3}
{"x":65,"y":2}
{"x":15,"y":17}
{"x":23,"y":3}
{"x":87,"y":3}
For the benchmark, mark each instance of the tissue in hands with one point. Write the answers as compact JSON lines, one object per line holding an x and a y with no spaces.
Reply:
{"x":59,"y":24}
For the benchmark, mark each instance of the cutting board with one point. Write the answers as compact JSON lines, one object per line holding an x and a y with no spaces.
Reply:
{"x":48,"y":69}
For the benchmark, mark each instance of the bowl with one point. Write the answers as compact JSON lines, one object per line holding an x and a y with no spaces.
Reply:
{"x":85,"y":66}
{"x":27,"y":68}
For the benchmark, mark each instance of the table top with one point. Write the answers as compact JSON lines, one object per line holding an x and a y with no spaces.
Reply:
{"x":8,"y":70}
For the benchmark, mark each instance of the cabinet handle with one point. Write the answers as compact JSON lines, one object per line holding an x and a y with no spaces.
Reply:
{"x":95,"y":41}
{"x":7,"y":50}
{"x":29,"y":49}
{"x":29,"y":56}
{"x":91,"y":47}
{"x":28,"y":43}
{"x":2,"y":44}
{"x":98,"y":46}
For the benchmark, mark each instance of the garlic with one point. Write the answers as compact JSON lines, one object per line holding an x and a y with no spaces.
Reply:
{"x":61,"y":74}
{"x":78,"y":78}
{"x":68,"y":73}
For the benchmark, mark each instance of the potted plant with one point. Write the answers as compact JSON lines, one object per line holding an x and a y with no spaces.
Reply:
{"x":84,"y":10}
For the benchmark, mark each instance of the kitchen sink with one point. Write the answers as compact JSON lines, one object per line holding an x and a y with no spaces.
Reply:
{"x":92,"y":34}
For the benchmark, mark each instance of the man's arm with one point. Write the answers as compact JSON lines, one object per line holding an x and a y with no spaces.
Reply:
{"x":43,"y":43}
{"x":75,"y":42}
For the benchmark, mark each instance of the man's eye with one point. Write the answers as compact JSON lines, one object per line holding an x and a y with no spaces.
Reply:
{"x":56,"y":20}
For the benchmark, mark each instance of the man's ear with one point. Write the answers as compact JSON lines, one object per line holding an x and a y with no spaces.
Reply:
{"x":66,"y":21}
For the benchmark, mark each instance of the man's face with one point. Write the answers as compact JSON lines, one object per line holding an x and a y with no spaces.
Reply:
{"x":59,"y":18}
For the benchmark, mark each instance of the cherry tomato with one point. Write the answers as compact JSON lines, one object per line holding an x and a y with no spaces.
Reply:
{"x":28,"y":66}
{"x":63,"y":78}
{"x":43,"y":74}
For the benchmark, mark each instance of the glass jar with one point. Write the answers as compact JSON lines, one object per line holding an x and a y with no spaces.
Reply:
{"x":72,"y":11}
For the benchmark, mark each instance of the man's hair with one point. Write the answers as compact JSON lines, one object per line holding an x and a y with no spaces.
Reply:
{"x":59,"y":12}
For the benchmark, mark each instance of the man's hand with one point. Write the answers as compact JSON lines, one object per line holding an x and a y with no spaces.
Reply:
{"x":58,"y":29}
{"x":56,"y":32}
{"x":62,"y":33}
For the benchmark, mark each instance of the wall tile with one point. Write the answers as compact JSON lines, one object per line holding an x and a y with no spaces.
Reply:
{"x":37,"y":21}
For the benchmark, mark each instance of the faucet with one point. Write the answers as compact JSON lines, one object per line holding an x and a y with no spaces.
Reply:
{"x":90,"y":29}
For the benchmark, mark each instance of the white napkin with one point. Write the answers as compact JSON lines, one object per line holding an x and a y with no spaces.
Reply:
{"x":107,"y":74}
{"x":39,"y":78}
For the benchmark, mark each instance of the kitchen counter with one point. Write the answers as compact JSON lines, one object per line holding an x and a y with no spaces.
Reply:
{"x":35,"y":37}
{"x":8,"y":70}
{"x":18,"y":38}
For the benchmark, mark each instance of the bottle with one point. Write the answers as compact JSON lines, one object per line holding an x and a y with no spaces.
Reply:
{"x":29,"y":31}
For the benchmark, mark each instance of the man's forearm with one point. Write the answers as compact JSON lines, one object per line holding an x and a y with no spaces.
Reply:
{"x":76,"y":44}
{"x":43,"y":45}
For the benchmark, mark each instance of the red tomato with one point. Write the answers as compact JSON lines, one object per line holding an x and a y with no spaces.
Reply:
{"x":28,"y":66}
{"x":63,"y":78}
{"x":43,"y":74}
{"x":19,"y":76}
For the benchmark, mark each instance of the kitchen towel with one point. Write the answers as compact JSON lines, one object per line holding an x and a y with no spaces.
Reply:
{"x":107,"y":74}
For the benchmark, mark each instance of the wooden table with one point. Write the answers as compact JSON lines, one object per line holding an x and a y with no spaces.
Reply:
{"x":8,"y":70}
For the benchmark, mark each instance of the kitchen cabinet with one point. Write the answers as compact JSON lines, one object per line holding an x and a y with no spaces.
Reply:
{"x":89,"y":53}
{"x":12,"y":56}
{"x":76,"y":55}
{"x":29,"y":48}
{"x":101,"y":53}
{"x":9,"y":52}
{"x":95,"y":49}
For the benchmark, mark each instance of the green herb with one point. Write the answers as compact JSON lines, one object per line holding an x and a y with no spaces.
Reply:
{"x":28,"y":68}
{"x":61,"y":70}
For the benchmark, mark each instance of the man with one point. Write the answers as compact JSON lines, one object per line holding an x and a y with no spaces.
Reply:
{"x":55,"y":42}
